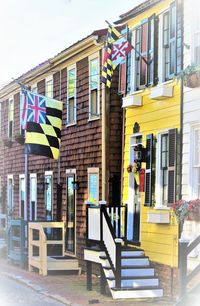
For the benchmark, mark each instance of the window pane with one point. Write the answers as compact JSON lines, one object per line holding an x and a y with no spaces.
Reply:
{"x":173,"y":21}
{"x":22,"y":196}
{"x":49,"y":89}
{"x":197,"y":48}
{"x":197,"y":148}
{"x":94,"y":75}
{"x":172,"y":57}
{"x":94,"y":107}
{"x":166,"y":29}
{"x":164,"y":151}
{"x":71,"y":110}
{"x":93,"y":188}
{"x":48,"y":197}
{"x":71,"y":83}
{"x":143,"y":67}
{"x":144,"y":38}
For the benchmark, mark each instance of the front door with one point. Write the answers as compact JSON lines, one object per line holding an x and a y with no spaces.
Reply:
{"x":134,"y":197}
{"x":70,"y":213}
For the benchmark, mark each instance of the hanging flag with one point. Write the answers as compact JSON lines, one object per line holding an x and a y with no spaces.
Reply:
{"x":43,"y":125}
{"x":107,"y":69}
{"x":116,"y":50}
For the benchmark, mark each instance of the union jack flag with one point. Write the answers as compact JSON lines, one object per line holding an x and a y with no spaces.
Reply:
{"x":33,"y":108}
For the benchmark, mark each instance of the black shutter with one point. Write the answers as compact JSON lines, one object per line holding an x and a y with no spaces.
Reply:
{"x":172,"y":151}
{"x":179,"y":48}
{"x":148,"y":171}
{"x":152,"y":71}
{"x":128,"y":64}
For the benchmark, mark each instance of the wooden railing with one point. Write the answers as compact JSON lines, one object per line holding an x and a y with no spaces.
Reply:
{"x":185,"y":248}
{"x":40,"y":236}
{"x":107,"y":226}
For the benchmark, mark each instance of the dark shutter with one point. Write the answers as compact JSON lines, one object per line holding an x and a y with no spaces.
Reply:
{"x":148,"y":171}
{"x":152,"y":76}
{"x":172,"y":151}
{"x":128,"y":65}
{"x":179,"y":48}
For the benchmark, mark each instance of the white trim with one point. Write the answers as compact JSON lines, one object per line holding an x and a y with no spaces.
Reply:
{"x":11,"y":99}
{"x":70,"y":171}
{"x":10,"y":208}
{"x":90,"y":58}
{"x":193,"y":127}
{"x":33,"y":175}
{"x":49,"y":173}
{"x":34,"y":86}
{"x":69,"y":68}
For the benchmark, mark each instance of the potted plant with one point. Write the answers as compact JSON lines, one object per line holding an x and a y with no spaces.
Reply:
{"x":187,"y":210}
{"x":191,"y":76}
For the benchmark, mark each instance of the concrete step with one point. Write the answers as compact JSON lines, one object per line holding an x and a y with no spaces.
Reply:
{"x":135,"y":282}
{"x":142,"y":292}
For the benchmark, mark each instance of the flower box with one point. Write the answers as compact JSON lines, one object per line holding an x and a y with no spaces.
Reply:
{"x":187,"y":210}
{"x":162,"y":217}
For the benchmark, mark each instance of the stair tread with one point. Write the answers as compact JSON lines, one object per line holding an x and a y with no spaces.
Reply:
{"x":127,"y":257}
{"x":129,"y":288}
{"x":133,"y":277}
{"x":126,"y":248}
{"x":130,"y":267}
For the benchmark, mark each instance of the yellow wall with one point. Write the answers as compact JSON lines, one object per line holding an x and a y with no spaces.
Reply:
{"x":159,"y":241}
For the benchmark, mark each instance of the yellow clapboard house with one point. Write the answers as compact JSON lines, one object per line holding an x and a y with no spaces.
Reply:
{"x":151,"y":159}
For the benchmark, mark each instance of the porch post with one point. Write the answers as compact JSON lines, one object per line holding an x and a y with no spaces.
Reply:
{"x":183,"y":266}
{"x":89,"y":275}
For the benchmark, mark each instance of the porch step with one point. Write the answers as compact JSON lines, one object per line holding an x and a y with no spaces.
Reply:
{"x":135,"y":282}
{"x":141,"y":292}
{"x":131,"y":260}
{"x":131,"y":271}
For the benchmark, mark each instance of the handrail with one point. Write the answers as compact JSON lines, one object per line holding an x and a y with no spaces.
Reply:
{"x":112,"y":247}
{"x":185,"y":249}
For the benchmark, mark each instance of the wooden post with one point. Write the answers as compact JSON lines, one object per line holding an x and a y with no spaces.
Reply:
{"x":89,"y":275}
{"x":102,"y":282}
{"x":118,"y":264}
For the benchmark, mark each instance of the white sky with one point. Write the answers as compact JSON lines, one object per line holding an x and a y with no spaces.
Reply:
{"x":31,"y":31}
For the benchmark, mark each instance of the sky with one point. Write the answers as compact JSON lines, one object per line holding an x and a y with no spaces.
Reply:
{"x":31,"y":31}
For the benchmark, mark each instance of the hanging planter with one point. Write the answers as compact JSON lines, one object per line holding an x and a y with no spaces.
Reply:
{"x":191,"y":76}
{"x":187,"y":210}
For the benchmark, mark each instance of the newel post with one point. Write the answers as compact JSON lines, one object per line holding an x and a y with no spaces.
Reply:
{"x":118,"y":242}
{"x":183,"y":265}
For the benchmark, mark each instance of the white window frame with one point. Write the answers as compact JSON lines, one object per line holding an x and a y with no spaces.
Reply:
{"x":90,"y":172}
{"x":10,"y":207}
{"x":9,"y":103}
{"x":159,"y":204}
{"x":22,"y":176}
{"x":72,"y":67}
{"x":49,"y":79}
{"x":195,"y":30}
{"x":49,"y":173}
{"x":97,"y":116}
{"x":33,"y":176}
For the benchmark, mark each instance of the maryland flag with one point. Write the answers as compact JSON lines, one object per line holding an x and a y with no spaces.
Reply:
{"x":116,"y":49}
{"x":42,"y":119}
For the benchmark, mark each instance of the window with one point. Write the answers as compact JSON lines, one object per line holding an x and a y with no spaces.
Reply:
{"x":1,"y":196}
{"x":33,"y":197}
{"x":10,"y":117}
{"x":169,"y":42}
{"x":146,"y":47}
{"x":49,"y":195}
{"x":196,"y":163}
{"x":49,"y":87}
{"x":0,"y":117}
{"x":23,"y":210}
{"x":166,"y":168}
{"x":71,"y":96}
{"x":10,"y":186}
{"x":34,"y":88}
{"x":93,"y":185}
{"x":196,"y":36}
{"x":94,"y":87}
{"x":70,"y":209}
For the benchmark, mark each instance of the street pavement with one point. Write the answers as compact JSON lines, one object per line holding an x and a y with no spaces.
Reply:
{"x":65,"y":289}
{"x":14,"y":293}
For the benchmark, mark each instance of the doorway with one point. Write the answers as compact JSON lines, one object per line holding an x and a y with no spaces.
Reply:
{"x":70,"y":213}
{"x":134,"y":197}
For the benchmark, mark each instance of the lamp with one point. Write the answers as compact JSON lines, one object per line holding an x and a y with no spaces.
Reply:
{"x":75,"y":185}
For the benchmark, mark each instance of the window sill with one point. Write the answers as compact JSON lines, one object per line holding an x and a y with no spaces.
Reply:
{"x":161,"y":207}
{"x":94,"y":118}
{"x":71,"y":124}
